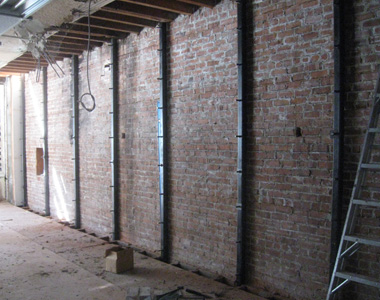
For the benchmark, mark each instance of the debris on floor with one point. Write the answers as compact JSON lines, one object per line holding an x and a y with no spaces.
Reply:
{"x":119,"y":260}
{"x":181,"y":293}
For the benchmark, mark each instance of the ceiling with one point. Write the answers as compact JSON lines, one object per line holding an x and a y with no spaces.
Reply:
{"x":60,"y":28}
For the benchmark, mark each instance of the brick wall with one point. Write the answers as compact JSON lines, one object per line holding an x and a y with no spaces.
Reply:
{"x":202,"y":130}
{"x":61,"y":185}
{"x":139,"y":93}
{"x":289,"y":158}
{"x":362,"y":42}
{"x":34,"y":139}
{"x":95,"y":144}
{"x":289,"y":177}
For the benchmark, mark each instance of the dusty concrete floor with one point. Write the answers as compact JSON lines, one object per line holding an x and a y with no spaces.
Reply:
{"x":42,"y":259}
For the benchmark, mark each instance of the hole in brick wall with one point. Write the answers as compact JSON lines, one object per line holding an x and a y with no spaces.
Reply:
{"x":297,"y":132}
{"x":39,"y":161}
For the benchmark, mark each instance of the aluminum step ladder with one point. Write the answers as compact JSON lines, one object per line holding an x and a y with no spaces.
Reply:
{"x":369,"y":165}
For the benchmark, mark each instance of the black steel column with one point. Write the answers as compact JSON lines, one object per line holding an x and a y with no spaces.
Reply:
{"x":241,"y":132}
{"x":162,"y":141}
{"x":25,"y":184}
{"x":115,"y":141}
{"x":46,"y":152}
{"x":337,"y":134}
{"x":75,"y":136}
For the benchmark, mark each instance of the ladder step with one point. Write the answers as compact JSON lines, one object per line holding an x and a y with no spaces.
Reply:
{"x":374,"y":130}
{"x":371,"y":166}
{"x":371,"y":188}
{"x":358,"y":278}
{"x":360,"y":240}
{"x":368,"y":203}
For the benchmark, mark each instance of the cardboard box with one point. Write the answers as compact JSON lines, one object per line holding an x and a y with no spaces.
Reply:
{"x":119,"y":260}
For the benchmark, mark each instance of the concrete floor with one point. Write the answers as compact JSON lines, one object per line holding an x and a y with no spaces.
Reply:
{"x":42,"y":259}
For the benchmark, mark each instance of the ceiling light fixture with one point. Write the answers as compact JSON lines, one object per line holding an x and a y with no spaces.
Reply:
{"x":21,"y":2}
{"x":3,"y":2}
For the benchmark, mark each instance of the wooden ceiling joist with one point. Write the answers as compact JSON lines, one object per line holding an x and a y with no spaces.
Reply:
{"x":16,"y":63}
{"x":64,"y":52}
{"x":168,"y":5}
{"x":55,"y":46}
{"x":80,"y":31}
{"x":73,"y":41}
{"x":110,"y":26}
{"x":95,"y":33}
{"x":17,"y":70}
{"x":81,"y":38}
{"x":138,"y":11}
{"x":204,"y":3}
{"x":118,"y":18}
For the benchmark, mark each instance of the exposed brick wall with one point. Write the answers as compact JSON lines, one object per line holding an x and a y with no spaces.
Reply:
{"x":362,"y":60}
{"x":202,"y":130}
{"x":139,"y":93}
{"x":289,"y":177}
{"x":95,"y":144}
{"x":61,"y":185}
{"x":290,"y":91}
{"x":34,"y":139}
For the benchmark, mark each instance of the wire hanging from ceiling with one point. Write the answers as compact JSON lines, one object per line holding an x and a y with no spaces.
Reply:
{"x":89,"y":93}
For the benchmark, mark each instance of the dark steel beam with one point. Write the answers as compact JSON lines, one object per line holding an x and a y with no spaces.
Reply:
{"x":240,"y":260}
{"x":75,"y":137}
{"x":46,"y":145}
{"x":337,"y":135}
{"x":115,"y":141}
{"x":162,"y":142}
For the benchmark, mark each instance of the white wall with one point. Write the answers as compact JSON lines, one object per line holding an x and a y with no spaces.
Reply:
{"x":14,"y":93}
{"x":2,"y":144}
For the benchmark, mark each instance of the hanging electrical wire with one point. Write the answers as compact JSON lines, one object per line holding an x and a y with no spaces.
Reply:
{"x":89,"y":93}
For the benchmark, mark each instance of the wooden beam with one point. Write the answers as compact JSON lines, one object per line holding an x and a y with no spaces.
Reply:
{"x":168,"y":5}
{"x":96,"y":34}
{"x":118,"y":18}
{"x":16,"y":69}
{"x":15,"y":63}
{"x":28,"y":59}
{"x":64,"y":51}
{"x":8,"y":73}
{"x":54,"y":46}
{"x":81,"y":38}
{"x":110,"y":26}
{"x":69,"y":40}
{"x":138,"y":11}
{"x":97,"y":37}
{"x":203,"y":3}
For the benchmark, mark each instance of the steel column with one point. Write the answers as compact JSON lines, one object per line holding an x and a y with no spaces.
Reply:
{"x":162,"y":140}
{"x":115,"y":141}
{"x":75,"y":136}
{"x":338,"y":135}
{"x":46,"y":152}
{"x":24,"y":143}
{"x":240,"y":136}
